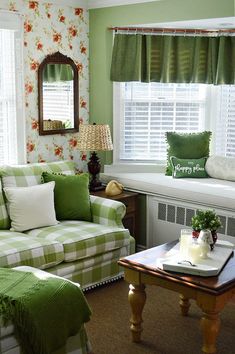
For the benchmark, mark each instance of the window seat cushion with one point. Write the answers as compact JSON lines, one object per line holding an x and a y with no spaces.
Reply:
{"x":209,"y":191}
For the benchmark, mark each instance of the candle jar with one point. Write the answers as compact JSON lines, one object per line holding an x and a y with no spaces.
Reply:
{"x":185,"y":240}
{"x":194,"y":252}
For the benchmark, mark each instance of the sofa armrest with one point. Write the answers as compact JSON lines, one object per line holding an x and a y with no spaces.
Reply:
{"x":107,"y":211}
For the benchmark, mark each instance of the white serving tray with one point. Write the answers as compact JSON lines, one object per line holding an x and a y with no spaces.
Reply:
{"x":204,"y":267}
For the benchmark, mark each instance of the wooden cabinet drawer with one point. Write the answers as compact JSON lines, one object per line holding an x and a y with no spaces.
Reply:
{"x":130,"y":204}
{"x":129,"y":223}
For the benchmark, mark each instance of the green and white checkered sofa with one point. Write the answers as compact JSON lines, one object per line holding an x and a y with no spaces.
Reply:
{"x":84,"y":252}
{"x":81,"y":251}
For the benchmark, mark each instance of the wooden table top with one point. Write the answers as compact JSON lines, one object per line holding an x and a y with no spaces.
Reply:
{"x":124,"y":194}
{"x":146,"y":262}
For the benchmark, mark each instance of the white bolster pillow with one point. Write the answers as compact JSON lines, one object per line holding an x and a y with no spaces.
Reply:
{"x":221,"y":167}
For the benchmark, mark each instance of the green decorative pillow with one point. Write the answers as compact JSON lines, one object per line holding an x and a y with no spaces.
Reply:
{"x":72,"y":199}
{"x":187,"y":146}
{"x":192,"y":168}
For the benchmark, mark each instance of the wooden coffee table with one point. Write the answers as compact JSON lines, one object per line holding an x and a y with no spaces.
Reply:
{"x":210,"y":293}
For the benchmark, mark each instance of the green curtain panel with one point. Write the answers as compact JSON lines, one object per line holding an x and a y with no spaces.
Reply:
{"x":225,"y":72}
{"x":57,"y":72}
{"x":173,"y":59}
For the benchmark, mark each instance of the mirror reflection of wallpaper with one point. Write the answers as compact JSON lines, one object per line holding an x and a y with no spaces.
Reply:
{"x":49,"y":28}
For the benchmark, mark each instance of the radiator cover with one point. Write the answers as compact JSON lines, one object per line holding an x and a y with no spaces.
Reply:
{"x":166,"y":217}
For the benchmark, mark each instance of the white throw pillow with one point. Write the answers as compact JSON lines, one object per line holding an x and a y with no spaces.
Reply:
{"x":221,"y":167}
{"x":31,"y":207}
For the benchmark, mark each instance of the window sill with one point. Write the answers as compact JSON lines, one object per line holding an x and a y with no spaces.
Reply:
{"x":134,"y":168}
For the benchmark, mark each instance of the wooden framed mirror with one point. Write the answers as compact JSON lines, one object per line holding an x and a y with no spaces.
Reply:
{"x":58,"y":95}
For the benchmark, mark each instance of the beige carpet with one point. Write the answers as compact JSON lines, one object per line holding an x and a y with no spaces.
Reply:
{"x":165,"y":330}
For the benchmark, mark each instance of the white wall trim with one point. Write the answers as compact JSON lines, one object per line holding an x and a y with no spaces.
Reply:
{"x":11,"y":20}
{"x":73,"y":3}
{"x":93,"y":4}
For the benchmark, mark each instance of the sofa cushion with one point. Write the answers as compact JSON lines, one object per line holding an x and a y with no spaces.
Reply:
{"x":82,"y":239}
{"x":72,"y":199}
{"x":30,"y":174}
{"x":187,"y":146}
{"x":18,"y":249}
{"x":31,"y":207}
{"x":27,"y":175}
{"x":4,"y":218}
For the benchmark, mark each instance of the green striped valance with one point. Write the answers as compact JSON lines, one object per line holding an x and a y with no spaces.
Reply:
{"x":173,"y":59}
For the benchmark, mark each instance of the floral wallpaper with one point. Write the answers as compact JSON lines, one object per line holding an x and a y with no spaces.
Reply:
{"x":49,"y":28}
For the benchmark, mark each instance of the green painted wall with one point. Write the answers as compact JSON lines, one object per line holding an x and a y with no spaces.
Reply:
{"x":101,"y":109}
{"x":101,"y":99}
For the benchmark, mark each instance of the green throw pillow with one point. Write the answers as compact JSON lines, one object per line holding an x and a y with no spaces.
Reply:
{"x":193,"y":168}
{"x":187,"y":146}
{"x":72,"y":199}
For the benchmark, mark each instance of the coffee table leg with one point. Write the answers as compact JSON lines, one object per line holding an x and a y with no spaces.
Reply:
{"x":184,"y":305}
{"x":137,"y":298}
{"x":210,"y":324}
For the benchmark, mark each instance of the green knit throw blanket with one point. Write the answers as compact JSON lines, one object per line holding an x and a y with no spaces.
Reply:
{"x":45,"y":312}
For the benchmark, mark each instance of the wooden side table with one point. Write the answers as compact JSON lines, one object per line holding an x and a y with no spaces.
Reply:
{"x":130,"y":201}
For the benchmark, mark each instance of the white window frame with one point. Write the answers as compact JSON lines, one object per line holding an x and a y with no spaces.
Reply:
{"x":120,"y":166}
{"x":212,"y":110}
{"x":225,"y":122}
{"x":10,"y":20}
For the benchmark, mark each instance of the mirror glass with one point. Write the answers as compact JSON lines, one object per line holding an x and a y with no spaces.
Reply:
{"x":58,"y":95}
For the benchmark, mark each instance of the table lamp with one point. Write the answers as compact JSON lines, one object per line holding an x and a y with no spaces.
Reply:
{"x":95,"y":137}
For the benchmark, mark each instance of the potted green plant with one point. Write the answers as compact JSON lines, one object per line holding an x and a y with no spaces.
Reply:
{"x":206,"y":220}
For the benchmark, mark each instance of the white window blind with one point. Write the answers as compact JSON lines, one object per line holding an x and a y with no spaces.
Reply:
{"x":12,"y":129}
{"x":58,"y":102}
{"x":225,"y":127}
{"x":146,"y":111}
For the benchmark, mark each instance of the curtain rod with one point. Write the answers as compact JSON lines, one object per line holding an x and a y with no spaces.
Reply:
{"x":172,"y":30}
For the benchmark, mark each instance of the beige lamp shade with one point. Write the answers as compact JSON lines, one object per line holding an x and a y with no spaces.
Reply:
{"x":95,"y":137}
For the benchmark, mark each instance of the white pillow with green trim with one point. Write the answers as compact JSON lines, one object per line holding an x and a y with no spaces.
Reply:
{"x":31,"y":207}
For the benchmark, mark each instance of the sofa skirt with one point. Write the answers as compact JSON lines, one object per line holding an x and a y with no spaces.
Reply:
{"x":94,"y":271}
